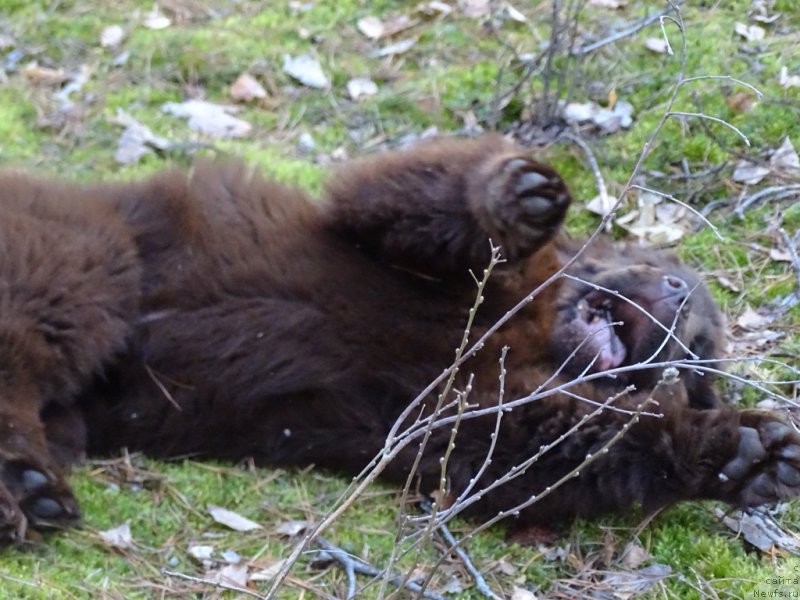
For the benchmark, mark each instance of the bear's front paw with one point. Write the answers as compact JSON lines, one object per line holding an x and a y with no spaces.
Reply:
{"x":766,"y":467}
{"x":526,"y":203}
{"x":32,"y":492}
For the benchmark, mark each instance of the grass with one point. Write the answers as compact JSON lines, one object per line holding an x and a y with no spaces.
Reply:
{"x":448,"y":76}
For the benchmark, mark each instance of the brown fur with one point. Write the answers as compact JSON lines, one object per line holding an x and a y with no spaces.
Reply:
{"x":218,"y":314}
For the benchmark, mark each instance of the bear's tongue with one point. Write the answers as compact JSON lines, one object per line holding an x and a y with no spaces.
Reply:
{"x":610,"y":350}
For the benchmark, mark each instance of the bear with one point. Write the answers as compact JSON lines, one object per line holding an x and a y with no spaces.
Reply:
{"x":216,"y":313}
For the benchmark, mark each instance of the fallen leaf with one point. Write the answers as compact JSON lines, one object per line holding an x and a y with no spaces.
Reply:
{"x":522,"y":594}
{"x":246,"y":88}
{"x":231,"y":519}
{"x":399,"y":47}
{"x":786,"y":80}
{"x":655,"y":44}
{"x":742,"y":102}
{"x":111,"y":36}
{"x":749,"y":172}
{"x":453,"y":586}
{"x":44,"y":76}
{"x":231,"y":557}
{"x":627,"y":584}
{"x":759,"y":529}
{"x":634,"y":555}
{"x":607,"y":3}
{"x":515,"y":15}
{"x":235,"y":575}
{"x":118,"y":537}
{"x":292,"y":528}
{"x":728,"y":284}
{"x":371,"y":27}
{"x":136,"y":140}
{"x":208,"y":118}
{"x":752,"y":33}
{"x":268,"y":573}
{"x":780,"y":255}
{"x":396,"y":24}
{"x":751,"y":320}
{"x":434,"y":8}
{"x":609,"y":120}
{"x":601,"y":205}
{"x":155,"y":20}
{"x":305,"y":69}
{"x":475,"y":9}
{"x":785,"y":157}
{"x":201,"y":551}
{"x":361,"y":87}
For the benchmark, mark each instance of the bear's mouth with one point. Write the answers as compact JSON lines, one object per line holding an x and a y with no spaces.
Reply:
{"x":596,"y":325}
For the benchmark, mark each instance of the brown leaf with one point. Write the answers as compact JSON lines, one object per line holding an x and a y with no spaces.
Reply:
{"x":246,"y":88}
{"x":43,"y":76}
{"x":743,"y":102}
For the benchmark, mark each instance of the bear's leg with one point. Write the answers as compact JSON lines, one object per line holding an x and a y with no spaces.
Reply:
{"x":433,"y":209}
{"x":69,"y":289}
{"x":745,"y":458}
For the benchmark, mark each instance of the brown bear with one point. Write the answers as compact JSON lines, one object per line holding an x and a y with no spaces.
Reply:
{"x":219,"y":314}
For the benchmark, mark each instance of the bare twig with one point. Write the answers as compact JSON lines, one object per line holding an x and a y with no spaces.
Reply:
{"x":355,"y":565}
{"x":480,"y":582}
{"x":627,"y":31}
{"x":779,"y":191}
{"x":790,"y":245}
{"x":216,"y":584}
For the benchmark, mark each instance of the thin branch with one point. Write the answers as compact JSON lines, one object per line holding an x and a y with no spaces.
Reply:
{"x":480,"y":582}
{"x":356,"y":565}
{"x":710,"y":118}
{"x":626,"y":32}
{"x":216,"y":584}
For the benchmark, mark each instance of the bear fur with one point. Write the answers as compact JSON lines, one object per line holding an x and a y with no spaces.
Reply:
{"x":219,"y":314}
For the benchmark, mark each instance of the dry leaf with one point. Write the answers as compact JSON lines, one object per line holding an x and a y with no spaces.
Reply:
{"x":118,"y":537}
{"x":43,"y":76}
{"x":658,"y":45}
{"x":760,"y":530}
{"x":522,"y":594}
{"x":780,"y":255}
{"x":231,"y":519}
{"x":136,"y":140}
{"x":208,"y":118}
{"x":601,"y":205}
{"x":269,"y":572}
{"x":371,"y":27}
{"x":742,"y":102}
{"x":396,"y":24}
{"x":111,"y":36}
{"x":628,"y":584}
{"x":361,"y":87}
{"x":305,"y":69}
{"x":785,"y":157}
{"x":475,"y":9}
{"x":728,"y":284}
{"x":607,"y":3}
{"x":786,"y":80}
{"x":155,"y":20}
{"x":398,"y":47}
{"x":434,"y":8}
{"x":246,"y":88}
{"x":201,"y":551}
{"x":609,"y":120}
{"x":634,"y":555}
{"x":515,"y":15}
{"x":234,"y":575}
{"x":292,"y":528}
{"x":751,"y":320}
{"x":749,"y":172}
{"x":752,"y":33}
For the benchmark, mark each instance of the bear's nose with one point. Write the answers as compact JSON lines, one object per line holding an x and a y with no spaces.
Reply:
{"x":674,"y":286}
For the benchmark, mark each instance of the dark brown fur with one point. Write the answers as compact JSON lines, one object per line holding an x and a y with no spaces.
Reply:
{"x":218,"y":314}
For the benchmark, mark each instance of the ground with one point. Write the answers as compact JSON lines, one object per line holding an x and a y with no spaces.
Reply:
{"x":460,"y":61}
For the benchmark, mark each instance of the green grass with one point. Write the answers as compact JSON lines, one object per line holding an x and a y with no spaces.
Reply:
{"x":451,"y":72}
